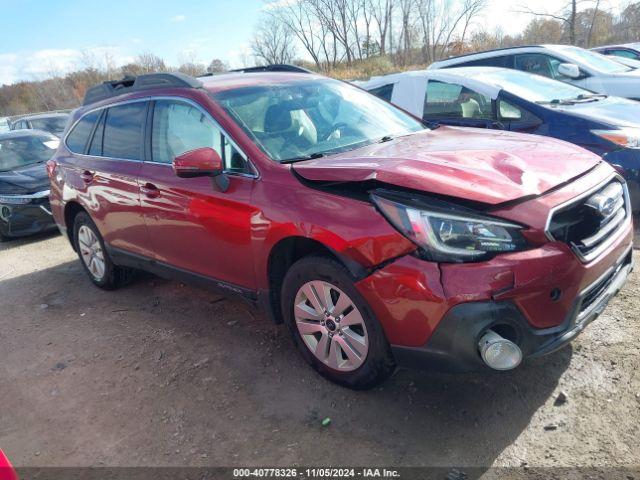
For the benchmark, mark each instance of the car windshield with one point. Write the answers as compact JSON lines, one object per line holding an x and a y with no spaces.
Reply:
{"x":595,"y":61}
{"x":306,"y":119}
{"x":17,"y":152}
{"x":50,"y":124}
{"x":536,"y":88}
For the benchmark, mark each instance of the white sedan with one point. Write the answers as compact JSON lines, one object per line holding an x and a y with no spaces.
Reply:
{"x":566,"y":63}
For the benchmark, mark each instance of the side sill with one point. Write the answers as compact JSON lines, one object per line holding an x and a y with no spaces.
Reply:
{"x":127,"y":259}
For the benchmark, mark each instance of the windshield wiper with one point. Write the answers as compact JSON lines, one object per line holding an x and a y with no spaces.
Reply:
{"x":590,"y":96}
{"x":311,"y":156}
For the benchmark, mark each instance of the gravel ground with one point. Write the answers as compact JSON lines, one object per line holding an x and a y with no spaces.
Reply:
{"x":159,"y":373}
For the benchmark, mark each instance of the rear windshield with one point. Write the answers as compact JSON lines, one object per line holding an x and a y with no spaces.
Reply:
{"x":533,"y":88}
{"x":17,"y":152}
{"x":595,"y":61}
{"x":50,"y":124}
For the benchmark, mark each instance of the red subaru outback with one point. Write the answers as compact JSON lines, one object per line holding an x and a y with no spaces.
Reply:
{"x":379,"y":242}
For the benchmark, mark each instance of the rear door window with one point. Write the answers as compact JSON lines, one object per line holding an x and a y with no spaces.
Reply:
{"x":79,"y":136}
{"x":123,"y":131}
{"x":452,"y":100}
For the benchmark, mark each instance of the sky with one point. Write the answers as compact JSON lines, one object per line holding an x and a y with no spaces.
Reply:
{"x":43,"y":37}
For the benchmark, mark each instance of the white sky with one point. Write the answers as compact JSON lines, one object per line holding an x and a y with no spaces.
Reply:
{"x":504,"y":13}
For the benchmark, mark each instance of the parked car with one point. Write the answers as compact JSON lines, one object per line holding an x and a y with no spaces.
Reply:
{"x":377,"y":241}
{"x":4,"y":124}
{"x":626,"y":50}
{"x":566,"y":63}
{"x":47,"y":122}
{"x":503,"y":99}
{"x":24,"y":184}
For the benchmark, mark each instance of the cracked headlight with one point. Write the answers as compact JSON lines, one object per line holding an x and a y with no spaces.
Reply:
{"x":451,"y":234}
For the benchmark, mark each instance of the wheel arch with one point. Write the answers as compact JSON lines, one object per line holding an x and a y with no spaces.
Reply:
{"x":71,"y":210}
{"x":285,"y":253}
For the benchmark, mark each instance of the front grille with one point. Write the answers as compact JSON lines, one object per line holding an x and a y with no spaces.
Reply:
{"x":596,"y":290}
{"x":590,"y":223}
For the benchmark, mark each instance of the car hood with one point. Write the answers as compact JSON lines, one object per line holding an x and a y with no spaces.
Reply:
{"x":479,"y":165}
{"x":29,"y":179}
{"x":614,"y":111}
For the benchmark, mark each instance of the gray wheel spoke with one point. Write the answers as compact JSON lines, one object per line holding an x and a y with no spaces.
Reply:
{"x":322,"y":347}
{"x":356,"y":341}
{"x":341,"y":305}
{"x":305,"y":311}
{"x":352,"y":354}
{"x":309,"y":328}
{"x":335,"y":356}
{"x":352,"y":318}
{"x":311,"y":294}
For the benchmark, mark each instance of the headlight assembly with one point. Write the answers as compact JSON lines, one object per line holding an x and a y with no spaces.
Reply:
{"x":626,"y":137}
{"x":451,"y":234}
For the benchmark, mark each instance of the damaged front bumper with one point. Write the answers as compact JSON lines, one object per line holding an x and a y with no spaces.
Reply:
{"x":435,"y":314}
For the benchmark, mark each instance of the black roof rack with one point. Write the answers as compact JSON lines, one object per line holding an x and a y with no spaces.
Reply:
{"x":131,"y":83}
{"x":277,"y":67}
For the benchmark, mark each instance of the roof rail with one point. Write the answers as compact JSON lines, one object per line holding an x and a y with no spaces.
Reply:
{"x":277,"y":67}
{"x":131,"y":83}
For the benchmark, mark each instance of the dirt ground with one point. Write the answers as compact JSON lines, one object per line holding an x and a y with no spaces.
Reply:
{"x":159,"y":373}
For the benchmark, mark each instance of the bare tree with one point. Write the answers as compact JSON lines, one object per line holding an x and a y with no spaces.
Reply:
{"x":298,"y":17}
{"x":217,"y":66}
{"x":272,"y":42}
{"x":382,"y":11}
{"x":567,"y":15}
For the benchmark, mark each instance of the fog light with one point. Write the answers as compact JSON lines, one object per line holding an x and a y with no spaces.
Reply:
{"x":498,"y":352}
{"x":5,"y":212}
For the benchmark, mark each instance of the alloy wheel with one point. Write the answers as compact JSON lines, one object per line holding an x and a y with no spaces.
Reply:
{"x":91,"y":252}
{"x":331,"y":325}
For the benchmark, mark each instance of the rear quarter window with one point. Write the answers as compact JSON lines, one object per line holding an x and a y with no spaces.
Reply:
{"x":79,"y":136}
{"x":384,"y":92}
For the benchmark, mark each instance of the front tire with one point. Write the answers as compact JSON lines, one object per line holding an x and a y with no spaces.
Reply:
{"x":333,"y":327}
{"x":94,"y":257}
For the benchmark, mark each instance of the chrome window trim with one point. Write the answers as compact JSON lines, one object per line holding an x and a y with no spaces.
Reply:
{"x":609,"y":241}
{"x":186,"y":100}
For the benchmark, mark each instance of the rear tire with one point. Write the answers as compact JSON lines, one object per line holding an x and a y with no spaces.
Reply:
{"x":332,"y":325}
{"x":94,"y":257}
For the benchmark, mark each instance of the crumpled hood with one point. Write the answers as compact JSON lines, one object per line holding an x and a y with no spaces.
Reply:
{"x":480,"y":165}
{"x":29,"y":179}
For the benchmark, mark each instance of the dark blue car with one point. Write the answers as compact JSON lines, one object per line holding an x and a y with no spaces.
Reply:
{"x":499,"y":98}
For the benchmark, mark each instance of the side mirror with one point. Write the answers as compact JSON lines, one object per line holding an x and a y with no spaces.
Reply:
{"x":570,"y":70}
{"x":201,"y":162}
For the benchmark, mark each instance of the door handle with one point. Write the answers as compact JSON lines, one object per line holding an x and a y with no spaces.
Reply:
{"x":87,"y":176}
{"x":149,"y":190}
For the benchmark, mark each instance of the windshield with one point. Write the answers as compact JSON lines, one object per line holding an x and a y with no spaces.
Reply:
{"x":302,"y":119}
{"x":17,"y":152}
{"x":536,"y":88}
{"x":50,"y":124}
{"x":594,"y":60}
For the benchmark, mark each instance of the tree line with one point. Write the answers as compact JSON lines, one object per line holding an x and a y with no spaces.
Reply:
{"x":352,"y":39}
{"x":400,"y":33}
